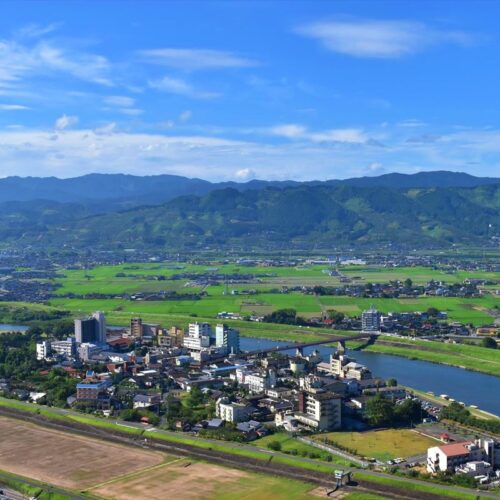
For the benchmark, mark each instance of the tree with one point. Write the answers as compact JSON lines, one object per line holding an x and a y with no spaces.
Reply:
{"x":336,"y":316}
{"x":408,"y":283}
{"x":391,"y":382}
{"x":274,"y":445}
{"x":432,"y":311}
{"x":379,"y":411}
{"x":409,"y":411}
{"x":489,"y":343}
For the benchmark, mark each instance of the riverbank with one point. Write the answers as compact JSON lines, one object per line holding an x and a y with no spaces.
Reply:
{"x":229,"y":454}
{"x":468,"y":357}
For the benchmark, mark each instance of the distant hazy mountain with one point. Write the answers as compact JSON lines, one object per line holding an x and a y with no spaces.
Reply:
{"x":301,"y":216}
{"x":109,"y":192}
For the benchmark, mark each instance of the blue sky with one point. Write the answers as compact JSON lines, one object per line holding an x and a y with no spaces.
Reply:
{"x":240,"y":90}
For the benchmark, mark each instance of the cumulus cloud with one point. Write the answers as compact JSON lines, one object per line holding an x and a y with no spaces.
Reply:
{"x":244,"y":174}
{"x":65,"y":121}
{"x":380,"y":38}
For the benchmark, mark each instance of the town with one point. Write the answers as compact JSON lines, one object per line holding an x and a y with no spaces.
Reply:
{"x":200,"y":382}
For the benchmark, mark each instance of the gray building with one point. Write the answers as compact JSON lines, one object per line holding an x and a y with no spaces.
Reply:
{"x":227,"y":337}
{"x":370,"y":320}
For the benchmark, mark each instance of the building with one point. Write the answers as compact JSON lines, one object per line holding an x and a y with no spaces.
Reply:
{"x":319,"y":410}
{"x":450,"y":456}
{"x":100,"y":326}
{"x":259,"y":382}
{"x":43,"y":350}
{"x":86,"y":330}
{"x":370,"y":320}
{"x":64,"y":347}
{"x":197,"y":330}
{"x":228,"y":338}
{"x":94,"y":392}
{"x":231,"y":412}
{"x":87,"y":350}
{"x":344,"y":367}
{"x":136,"y":327}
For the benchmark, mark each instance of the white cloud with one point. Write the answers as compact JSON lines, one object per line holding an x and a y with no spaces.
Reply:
{"x":295,"y":131}
{"x":64,"y":122}
{"x":131,"y":111}
{"x":244,"y":174}
{"x":181,"y":87}
{"x":195,"y":59}
{"x":19,"y":62}
{"x":36,"y":30}
{"x":119,"y":101}
{"x":109,"y":128}
{"x":290,"y":130}
{"x":13,"y":107}
{"x":379,"y":39}
{"x":350,"y":135}
{"x":338,"y":155}
{"x":185,"y":116}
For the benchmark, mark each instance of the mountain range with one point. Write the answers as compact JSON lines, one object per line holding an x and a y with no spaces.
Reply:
{"x":108,"y":192}
{"x":431,"y":209}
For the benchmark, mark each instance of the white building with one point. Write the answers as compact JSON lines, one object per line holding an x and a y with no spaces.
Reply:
{"x":319,"y":410}
{"x":259,"y":382}
{"x":231,"y":412}
{"x":64,"y":347}
{"x":228,"y":338}
{"x":200,"y":330}
{"x":43,"y":350}
{"x":450,"y":456}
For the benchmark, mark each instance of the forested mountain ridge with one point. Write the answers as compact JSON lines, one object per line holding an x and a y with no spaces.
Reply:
{"x":303,"y":216}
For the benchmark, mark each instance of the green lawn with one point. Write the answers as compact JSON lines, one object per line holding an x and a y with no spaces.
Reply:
{"x":290,"y":444}
{"x":382,"y":445}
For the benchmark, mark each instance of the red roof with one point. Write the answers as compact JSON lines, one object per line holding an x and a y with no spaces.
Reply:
{"x":455,"y":449}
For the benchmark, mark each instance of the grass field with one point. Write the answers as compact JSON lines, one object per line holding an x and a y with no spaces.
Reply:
{"x":382,"y":445}
{"x":289,"y":444}
{"x":104,"y":279}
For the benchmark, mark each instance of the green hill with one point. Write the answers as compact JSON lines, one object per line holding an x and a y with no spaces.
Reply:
{"x":300,"y":217}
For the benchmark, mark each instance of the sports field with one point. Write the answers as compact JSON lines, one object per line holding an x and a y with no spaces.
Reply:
{"x":382,"y":445}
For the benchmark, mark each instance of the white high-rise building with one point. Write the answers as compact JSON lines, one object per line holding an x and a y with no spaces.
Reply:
{"x":198,"y":330}
{"x":228,"y":338}
{"x":43,"y":350}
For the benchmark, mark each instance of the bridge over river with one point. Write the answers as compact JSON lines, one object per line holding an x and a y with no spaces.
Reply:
{"x":301,"y":346}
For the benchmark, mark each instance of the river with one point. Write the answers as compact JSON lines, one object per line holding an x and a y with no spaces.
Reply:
{"x":5,"y":327}
{"x":472,"y":388}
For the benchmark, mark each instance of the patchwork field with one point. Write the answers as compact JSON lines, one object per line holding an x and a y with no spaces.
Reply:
{"x":382,"y":445}
{"x":67,"y":460}
{"x":131,"y":278}
{"x":196,"y":481}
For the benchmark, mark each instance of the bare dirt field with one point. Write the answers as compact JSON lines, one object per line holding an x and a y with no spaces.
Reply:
{"x":67,"y":460}
{"x":201,"y":481}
